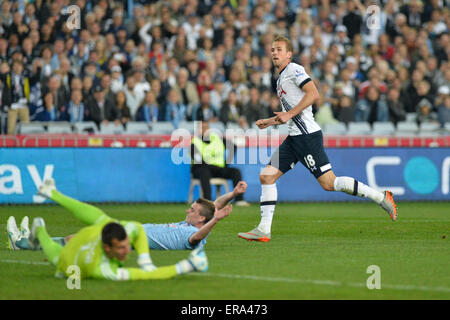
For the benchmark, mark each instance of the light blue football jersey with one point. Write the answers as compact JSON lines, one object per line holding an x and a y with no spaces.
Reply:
{"x":170,"y":236}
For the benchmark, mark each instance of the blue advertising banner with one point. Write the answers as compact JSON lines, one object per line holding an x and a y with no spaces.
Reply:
{"x":159,"y":175}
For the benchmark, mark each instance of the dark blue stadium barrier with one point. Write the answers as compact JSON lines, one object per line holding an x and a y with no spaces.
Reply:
{"x":150,"y":175}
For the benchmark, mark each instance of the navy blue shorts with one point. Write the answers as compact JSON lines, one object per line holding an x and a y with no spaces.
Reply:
{"x":308,"y":149}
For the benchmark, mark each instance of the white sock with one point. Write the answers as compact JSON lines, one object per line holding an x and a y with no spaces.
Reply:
{"x":184,"y":266}
{"x":268,"y":199}
{"x":356,"y":188}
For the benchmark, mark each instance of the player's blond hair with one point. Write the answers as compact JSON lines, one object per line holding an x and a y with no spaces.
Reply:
{"x":289,"y":46}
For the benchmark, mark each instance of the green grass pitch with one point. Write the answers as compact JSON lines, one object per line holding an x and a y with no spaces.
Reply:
{"x":318,"y":251}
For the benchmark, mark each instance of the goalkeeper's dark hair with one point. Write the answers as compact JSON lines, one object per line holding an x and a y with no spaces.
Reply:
{"x":112,"y":231}
{"x":208,"y":208}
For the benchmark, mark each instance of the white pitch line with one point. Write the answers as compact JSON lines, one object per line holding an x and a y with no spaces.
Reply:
{"x":280,"y":279}
{"x":324,"y":282}
{"x":42,"y":263}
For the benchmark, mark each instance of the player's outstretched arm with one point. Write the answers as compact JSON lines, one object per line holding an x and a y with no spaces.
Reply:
{"x":207,"y":227}
{"x":109,"y":271}
{"x":264,"y":123}
{"x":222,"y":201}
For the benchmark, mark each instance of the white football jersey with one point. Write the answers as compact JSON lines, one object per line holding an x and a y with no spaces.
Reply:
{"x":289,"y":90}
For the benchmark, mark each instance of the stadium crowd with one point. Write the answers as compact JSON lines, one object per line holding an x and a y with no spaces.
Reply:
{"x":183,"y":60}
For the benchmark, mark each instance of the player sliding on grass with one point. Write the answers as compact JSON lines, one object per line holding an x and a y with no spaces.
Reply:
{"x":100,"y":249}
{"x":201,"y":217}
{"x":297,"y":93}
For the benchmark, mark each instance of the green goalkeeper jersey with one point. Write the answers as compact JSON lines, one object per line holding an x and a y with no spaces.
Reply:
{"x":85,"y":250}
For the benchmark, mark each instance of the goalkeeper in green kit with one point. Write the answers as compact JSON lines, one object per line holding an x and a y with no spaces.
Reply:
{"x":100,"y":249}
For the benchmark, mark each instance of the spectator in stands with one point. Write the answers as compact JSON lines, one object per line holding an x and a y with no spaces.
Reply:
{"x":59,"y":92}
{"x":116,"y":79}
{"x":123,"y":112}
{"x":414,"y":13}
{"x":65,"y":75}
{"x":253,"y":109}
{"x":216,"y":93}
{"x":134,"y":96}
{"x":205,"y":112}
{"x":373,"y":81}
{"x":204,"y":82}
{"x":142,"y":85}
{"x":234,"y":83}
{"x":105,"y":83}
{"x":334,"y":99}
{"x":396,"y":108}
{"x":16,"y":94}
{"x":425,"y":112}
{"x":443,"y":108}
{"x":78,"y":59}
{"x":352,"y":20}
{"x":88,"y":85}
{"x":186,"y":90}
{"x":175,"y":109}
{"x":76,"y":109}
{"x":49,"y":112}
{"x":102,"y":110}
{"x":231,"y":111}
{"x":346,"y":110}
{"x":324,"y":114}
{"x":347,"y":84}
{"x":161,"y":97}
{"x":423,"y":90}
{"x":371,"y":108}
{"x":149,"y":109}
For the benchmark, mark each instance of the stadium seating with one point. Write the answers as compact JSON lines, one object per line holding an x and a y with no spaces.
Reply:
{"x":429,"y":128}
{"x":85,"y":127}
{"x":163,"y":127}
{"x":32,"y":127}
{"x":217,"y":182}
{"x":359,"y":128}
{"x":383,"y":128}
{"x":406,"y":128}
{"x":137,"y":128}
{"x":59,"y":127}
{"x":411,"y":117}
{"x":187,"y":125}
{"x":335,"y":128}
{"x":111,"y":128}
{"x":447,"y":128}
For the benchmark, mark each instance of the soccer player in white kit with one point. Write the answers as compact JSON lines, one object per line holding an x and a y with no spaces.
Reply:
{"x":304,"y":143}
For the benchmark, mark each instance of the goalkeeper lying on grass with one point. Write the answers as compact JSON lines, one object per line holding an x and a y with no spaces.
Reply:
{"x":100,"y":249}
{"x":201,"y":217}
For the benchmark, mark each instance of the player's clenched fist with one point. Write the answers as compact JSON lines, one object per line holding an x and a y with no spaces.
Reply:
{"x":240,"y":188}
